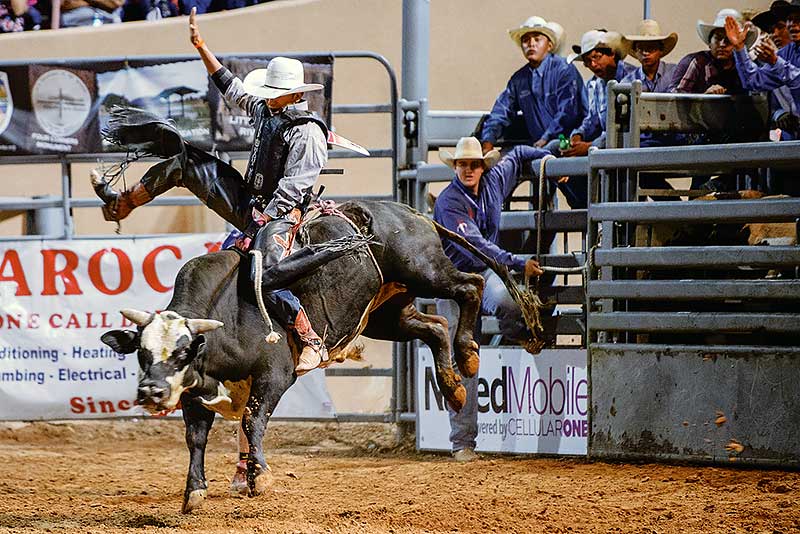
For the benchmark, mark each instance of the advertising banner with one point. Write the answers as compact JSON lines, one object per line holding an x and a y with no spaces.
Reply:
{"x":63,"y":107}
{"x":58,"y":297}
{"x":526,"y":404}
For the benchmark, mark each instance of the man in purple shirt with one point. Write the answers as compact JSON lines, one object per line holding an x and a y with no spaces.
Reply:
{"x":711,"y":71}
{"x":471,"y":206}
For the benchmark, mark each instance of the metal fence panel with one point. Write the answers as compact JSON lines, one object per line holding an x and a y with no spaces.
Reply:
{"x":659,"y":403}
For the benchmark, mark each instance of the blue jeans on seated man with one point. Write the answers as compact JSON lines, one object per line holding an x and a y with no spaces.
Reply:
{"x":498,"y":302}
{"x":89,"y":16}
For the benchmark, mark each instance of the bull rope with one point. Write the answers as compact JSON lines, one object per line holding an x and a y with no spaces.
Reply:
{"x":272,"y":336}
{"x":329,"y":207}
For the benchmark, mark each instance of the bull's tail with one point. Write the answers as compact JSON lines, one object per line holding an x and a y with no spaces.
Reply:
{"x":500,"y":269}
{"x":528,"y":301}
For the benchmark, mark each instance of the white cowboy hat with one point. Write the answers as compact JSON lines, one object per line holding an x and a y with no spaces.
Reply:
{"x":469,"y":148}
{"x":704,"y":29}
{"x":650,"y":31}
{"x":283,"y":76}
{"x":552,"y":30}
{"x":599,"y":39}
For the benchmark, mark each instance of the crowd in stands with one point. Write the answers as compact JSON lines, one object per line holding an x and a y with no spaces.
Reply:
{"x":567,"y":117}
{"x":24,"y":15}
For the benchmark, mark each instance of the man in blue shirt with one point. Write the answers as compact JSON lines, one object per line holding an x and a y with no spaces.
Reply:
{"x":649,"y":46}
{"x":602,"y":52}
{"x":470,"y":205}
{"x":780,"y":68}
{"x":547,"y":90}
{"x":780,"y":71}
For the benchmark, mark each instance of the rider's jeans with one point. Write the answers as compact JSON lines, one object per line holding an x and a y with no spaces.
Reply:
{"x":273,"y":241}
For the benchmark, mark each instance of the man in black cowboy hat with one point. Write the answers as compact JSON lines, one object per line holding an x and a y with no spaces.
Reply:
{"x":773,"y":22}
{"x":780,"y":69}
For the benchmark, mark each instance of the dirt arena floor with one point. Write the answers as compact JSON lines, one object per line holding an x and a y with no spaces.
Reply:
{"x":128,"y":477}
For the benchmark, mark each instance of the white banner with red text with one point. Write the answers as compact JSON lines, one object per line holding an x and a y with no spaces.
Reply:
{"x":58,"y":297}
{"x":526,"y":404}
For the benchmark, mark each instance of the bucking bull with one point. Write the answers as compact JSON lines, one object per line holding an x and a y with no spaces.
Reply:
{"x":207,"y":349}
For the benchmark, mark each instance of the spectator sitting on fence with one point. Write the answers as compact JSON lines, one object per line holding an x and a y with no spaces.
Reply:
{"x":548,"y":90}
{"x":779,"y":72}
{"x":90,"y":12}
{"x":470,"y":205}
{"x":780,"y":75}
{"x":711,"y":71}
{"x":18,"y":15}
{"x":602,"y":52}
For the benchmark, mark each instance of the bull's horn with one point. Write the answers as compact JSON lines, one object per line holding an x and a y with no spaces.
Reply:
{"x":198,"y":326}
{"x":139,"y":318}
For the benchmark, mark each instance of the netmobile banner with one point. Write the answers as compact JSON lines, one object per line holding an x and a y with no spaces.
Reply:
{"x":526,"y":404}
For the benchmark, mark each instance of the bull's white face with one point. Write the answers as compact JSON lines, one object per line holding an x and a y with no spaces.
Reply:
{"x":166,"y":337}
{"x":168,"y":344}
{"x":164,"y":334}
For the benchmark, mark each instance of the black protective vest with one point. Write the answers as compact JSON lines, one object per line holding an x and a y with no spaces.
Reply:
{"x":270,"y":150}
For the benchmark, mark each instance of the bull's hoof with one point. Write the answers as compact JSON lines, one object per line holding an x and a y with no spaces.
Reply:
{"x":238,"y":487}
{"x":193,"y":501}
{"x":458,"y":399}
{"x":467,"y":359}
{"x":262,"y":481}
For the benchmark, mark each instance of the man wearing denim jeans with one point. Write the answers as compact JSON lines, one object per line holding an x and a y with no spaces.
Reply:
{"x":471,"y":206}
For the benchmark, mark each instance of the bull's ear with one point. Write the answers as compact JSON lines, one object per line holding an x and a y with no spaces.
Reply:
{"x":121,"y":341}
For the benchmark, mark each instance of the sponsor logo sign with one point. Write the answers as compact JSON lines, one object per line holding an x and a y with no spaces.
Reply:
{"x":61,"y":102}
{"x":526,"y":404}
{"x":59,"y":297}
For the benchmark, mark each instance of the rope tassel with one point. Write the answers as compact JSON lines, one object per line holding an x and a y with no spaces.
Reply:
{"x":272,"y":336}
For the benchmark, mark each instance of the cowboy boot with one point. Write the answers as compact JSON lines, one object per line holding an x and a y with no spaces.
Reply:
{"x":119,"y":205}
{"x":314,"y":351}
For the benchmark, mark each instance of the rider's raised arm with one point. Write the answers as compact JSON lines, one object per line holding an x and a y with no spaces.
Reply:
{"x":229,"y":85}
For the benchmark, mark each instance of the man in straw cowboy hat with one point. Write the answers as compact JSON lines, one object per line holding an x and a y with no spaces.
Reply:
{"x":779,"y":71}
{"x":649,"y":45}
{"x":711,"y":71}
{"x":547,"y":90}
{"x":470,"y":205}
{"x":780,"y":76}
{"x":603,"y":53}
